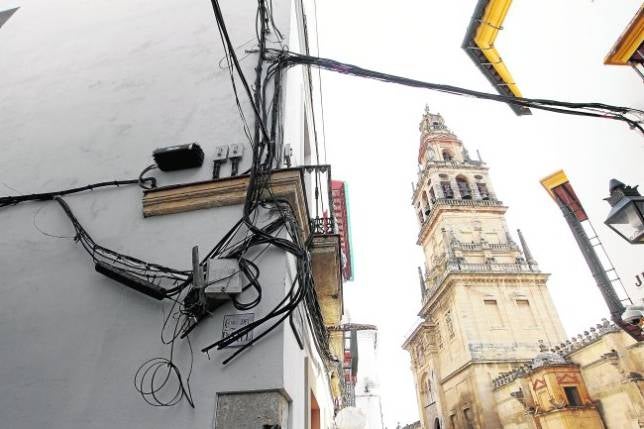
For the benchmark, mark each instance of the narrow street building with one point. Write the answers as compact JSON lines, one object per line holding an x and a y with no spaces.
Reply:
{"x":194,"y":293}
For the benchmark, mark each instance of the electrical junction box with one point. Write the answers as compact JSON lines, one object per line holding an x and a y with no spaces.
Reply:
{"x":288,"y":151}
{"x":178,"y":157}
{"x":221,"y":153}
{"x":235,"y":150}
{"x":223,"y":278}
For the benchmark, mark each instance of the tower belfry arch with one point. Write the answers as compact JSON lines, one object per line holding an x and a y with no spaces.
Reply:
{"x":484,"y":304}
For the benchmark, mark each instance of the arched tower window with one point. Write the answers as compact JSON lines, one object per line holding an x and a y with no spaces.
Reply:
{"x":483,"y":191}
{"x":425,"y":200}
{"x":447,"y":155}
{"x":446,"y":187}
{"x":430,"y":391}
{"x":464,"y":188}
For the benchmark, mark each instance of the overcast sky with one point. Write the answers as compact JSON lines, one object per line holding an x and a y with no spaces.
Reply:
{"x":554,"y":49}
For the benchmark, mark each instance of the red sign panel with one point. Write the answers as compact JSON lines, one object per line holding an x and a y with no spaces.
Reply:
{"x":341,"y":215}
{"x":567,"y":196}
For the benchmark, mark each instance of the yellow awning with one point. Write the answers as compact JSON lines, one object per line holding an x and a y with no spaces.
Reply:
{"x":629,"y":41}
{"x":489,"y":27}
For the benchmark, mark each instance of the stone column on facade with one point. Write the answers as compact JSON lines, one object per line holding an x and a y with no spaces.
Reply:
{"x":474,"y":190}
{"x":455,"y":190}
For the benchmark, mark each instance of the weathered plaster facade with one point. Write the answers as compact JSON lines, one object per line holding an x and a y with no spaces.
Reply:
{"x":88,"y":91}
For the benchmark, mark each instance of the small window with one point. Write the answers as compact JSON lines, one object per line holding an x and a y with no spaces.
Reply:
{"x":483,"y":192}
{"x":572,"y":395}
{"x":464,"y":188}
{"x":526,"y":317}
{"x":446,"y":187}
{"x":447,"y":155}
{"x":469,"y":418}
{"x":453,"y":421}
{"x":493,"y":313}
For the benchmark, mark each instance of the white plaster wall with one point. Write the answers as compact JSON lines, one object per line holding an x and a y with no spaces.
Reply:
{"x":88,"y":89}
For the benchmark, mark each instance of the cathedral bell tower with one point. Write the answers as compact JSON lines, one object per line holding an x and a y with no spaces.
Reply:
{"x":485,"y":305}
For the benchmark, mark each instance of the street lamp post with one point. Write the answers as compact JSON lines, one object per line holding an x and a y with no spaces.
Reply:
{"x":626,"y":216}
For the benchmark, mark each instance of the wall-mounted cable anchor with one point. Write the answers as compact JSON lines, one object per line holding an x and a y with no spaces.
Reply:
{"x":148,"y":182}
{"x":288,"y":154}
{"x":221,"y":155}
{"x":235,"y":153}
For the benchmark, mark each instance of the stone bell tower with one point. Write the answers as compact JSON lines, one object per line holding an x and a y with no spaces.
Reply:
{"x":485,"y":305}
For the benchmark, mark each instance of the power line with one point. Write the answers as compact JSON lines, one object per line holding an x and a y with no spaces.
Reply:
{"x":598,"y":110}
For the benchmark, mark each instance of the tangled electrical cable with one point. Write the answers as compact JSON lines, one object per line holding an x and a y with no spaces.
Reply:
{"x":143,"y":182}
{"x":259,"y":196}
{"x":597,"y":110}
{"x":159,"y":274}
{"x":154,"y":375}
{"x":159,"y":380}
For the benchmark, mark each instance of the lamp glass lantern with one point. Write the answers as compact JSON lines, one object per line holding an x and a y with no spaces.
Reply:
{"x":626,"y":218}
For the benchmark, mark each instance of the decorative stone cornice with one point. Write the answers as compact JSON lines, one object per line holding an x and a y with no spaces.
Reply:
{"x":437,"y":276}
{"x":589,"y":336}
{"x":442,"y":205}
{"x":562,"y":351}
{"x":287,"y":183}
{"x":437,"y":289}
{"x":438,"y":165}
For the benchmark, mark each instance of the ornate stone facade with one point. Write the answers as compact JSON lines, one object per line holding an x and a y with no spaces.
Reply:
{"x":489,"y":325}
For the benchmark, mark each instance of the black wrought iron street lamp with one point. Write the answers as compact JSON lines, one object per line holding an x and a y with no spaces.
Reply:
{"x":626,"y":216}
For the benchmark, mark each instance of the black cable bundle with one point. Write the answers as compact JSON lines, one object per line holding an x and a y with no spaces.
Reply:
{"x":597,"y":110}
{"x":258,"y":196}
{"x":156,"y":378}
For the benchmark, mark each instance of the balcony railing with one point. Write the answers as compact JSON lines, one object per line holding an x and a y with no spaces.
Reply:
{"x":454,"y":163}
{"x":490,"y":202}
{"x":320,"y":199}
{"x":485,"y":246}
{"x":323,"y":225}
{"x":470,"y":203}
{"x":435,"y":278}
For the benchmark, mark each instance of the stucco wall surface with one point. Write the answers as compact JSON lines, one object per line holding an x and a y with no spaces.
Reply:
{"x":88,"y":89}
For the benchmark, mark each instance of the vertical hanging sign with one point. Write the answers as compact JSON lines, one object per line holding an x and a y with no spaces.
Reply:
{"x":341,"y":214}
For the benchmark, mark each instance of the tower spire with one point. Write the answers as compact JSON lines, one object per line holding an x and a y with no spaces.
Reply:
{"x":526,"y":250}
{"x":422,"y":282}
